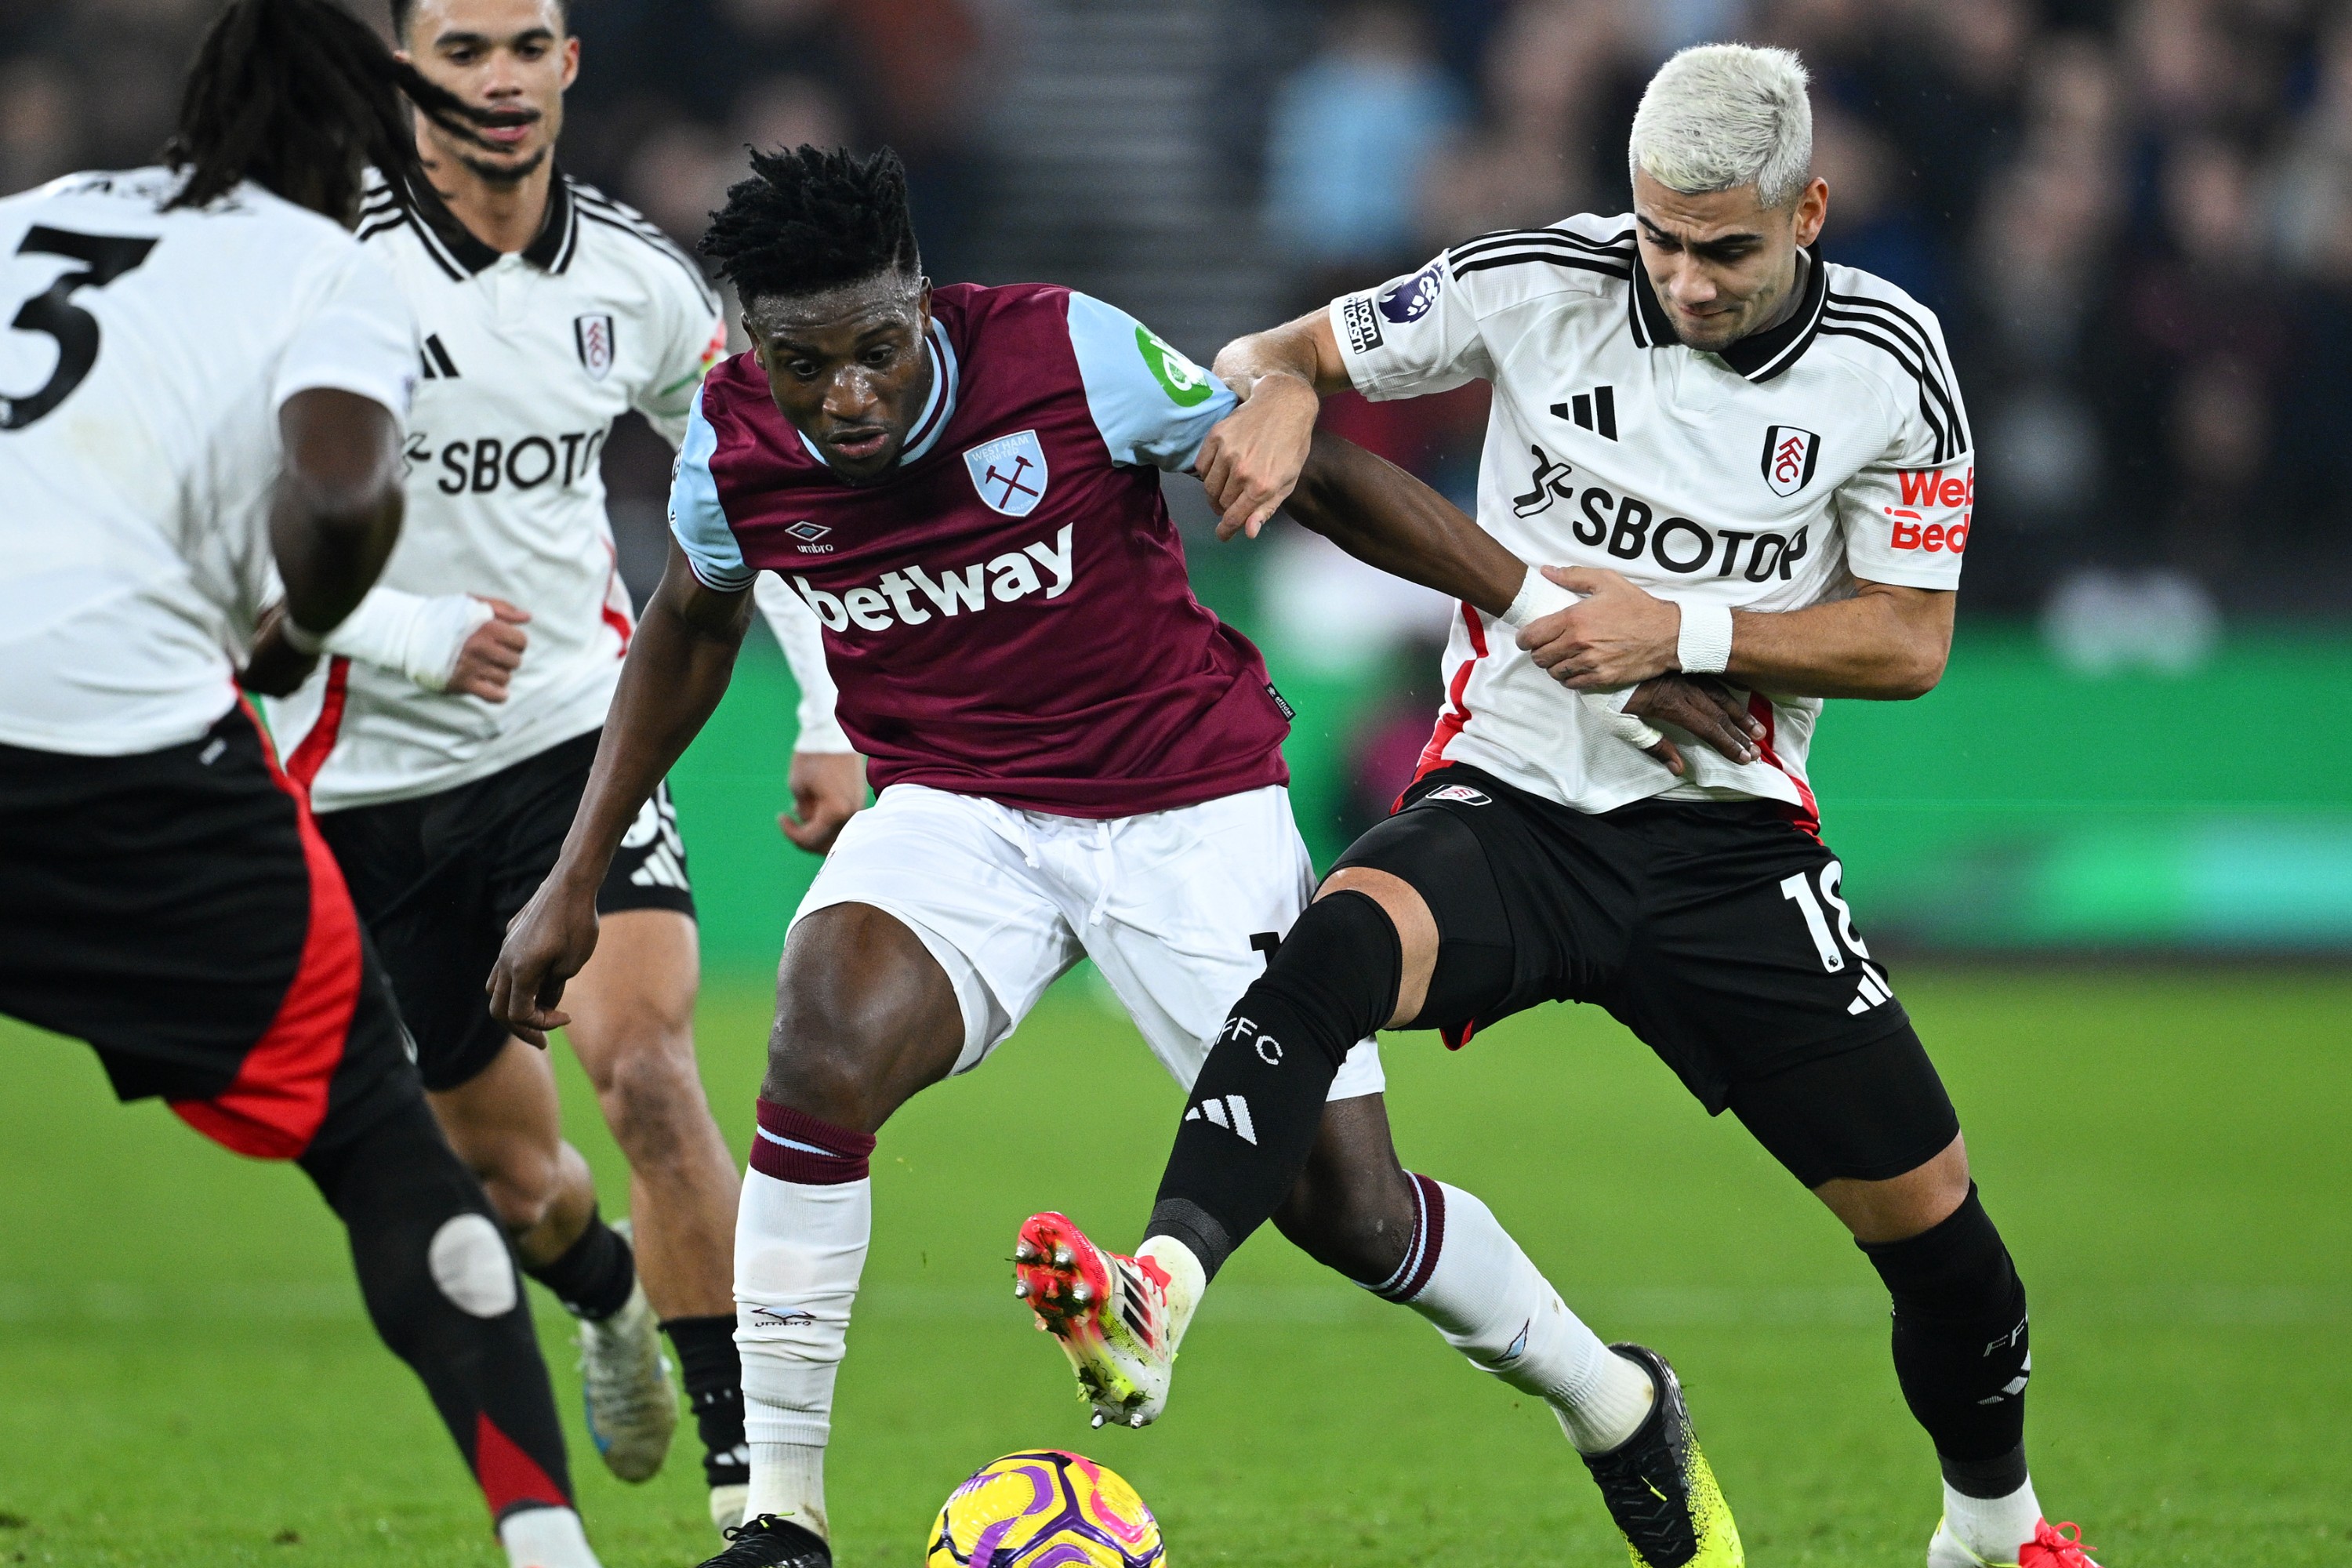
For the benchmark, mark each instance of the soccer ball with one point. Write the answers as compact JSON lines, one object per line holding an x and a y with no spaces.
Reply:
{"x":1044,"y":1509}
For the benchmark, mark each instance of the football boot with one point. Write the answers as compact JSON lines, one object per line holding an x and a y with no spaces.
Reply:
{"x":2051,"y":1547}
{"x":1658,"y":1487}
{"x":772,"y":1540}
{"x":1109,"y":1312}
{"x":625,"y":1385}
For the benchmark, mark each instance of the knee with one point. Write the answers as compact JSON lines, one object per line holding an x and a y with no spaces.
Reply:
{"x":824,"y":1073}
{"x":521,"y":1183}
{"x":1361,"y":1227}
{"x":652,"y":1097}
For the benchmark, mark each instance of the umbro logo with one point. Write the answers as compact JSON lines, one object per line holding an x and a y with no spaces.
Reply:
{"x":1230,"y":1111}
{"x":1595,"y":411}
{"x":808,"y":532}
{"x":769,"y":1317}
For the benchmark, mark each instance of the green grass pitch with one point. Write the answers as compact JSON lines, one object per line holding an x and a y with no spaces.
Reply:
{"x":187,"y":1377}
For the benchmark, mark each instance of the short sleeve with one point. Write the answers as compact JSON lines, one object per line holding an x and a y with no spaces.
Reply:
{"x":696,"y":340}
{"x":1151,"y":404}
{"x":1909,"y":515}
{"x":358,"y":337}
{"x":1411,"y":335}
{"x":696,"y":519}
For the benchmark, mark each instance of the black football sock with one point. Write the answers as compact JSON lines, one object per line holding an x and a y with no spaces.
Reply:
{"x":1251,"y":1121}
{"x":440,"y":1286}
{"x":594,"y":1276}
{"x":1961,"y":1349}
{"x":714,"y":1388}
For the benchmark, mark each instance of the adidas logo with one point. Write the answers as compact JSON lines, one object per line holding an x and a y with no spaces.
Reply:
{"x":439,"y":365}
{"x":1595,"y":411}
{"x":1227,"y":1111}
{"x":1874,"y":991}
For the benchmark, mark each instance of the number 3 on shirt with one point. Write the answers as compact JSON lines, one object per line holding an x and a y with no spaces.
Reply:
{"x":53,"y":311}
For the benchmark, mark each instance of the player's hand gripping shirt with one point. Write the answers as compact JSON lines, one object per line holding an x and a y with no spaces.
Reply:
{"x":1768,"y":478}
{"x":140,"y":384}
{"x":525,"y":360}
{"x":1007,"y":614}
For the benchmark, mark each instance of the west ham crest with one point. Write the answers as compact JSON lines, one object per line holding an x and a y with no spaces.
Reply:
{"x":1009,"y":472}
{"x":594,"y":334}
{"x":1788,"y":455}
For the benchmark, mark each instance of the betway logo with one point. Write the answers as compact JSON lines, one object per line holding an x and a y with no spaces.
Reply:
{"x":898,"y":599}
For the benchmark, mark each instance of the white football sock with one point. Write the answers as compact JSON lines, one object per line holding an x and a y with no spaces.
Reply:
{"x":1464,"y":1273}
{"x":545,"y":1538}
{"x":1186,"y":1283}
{"x":799,"y":1250}
{"x":1992,"y":1528}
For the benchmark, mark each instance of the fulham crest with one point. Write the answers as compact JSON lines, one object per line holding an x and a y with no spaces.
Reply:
{"x":594,"y":336}
{"x":1009,"y":472}
{"x":1788,"y":455}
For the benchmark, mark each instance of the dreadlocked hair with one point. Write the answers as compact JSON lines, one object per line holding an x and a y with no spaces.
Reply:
{"x":808,"y":220}
{"x":298,"y":96}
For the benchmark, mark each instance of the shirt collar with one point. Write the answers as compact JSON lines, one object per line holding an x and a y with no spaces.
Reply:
{"x":549,"y":250}
{"x":1759,"y":357}
{"x":939,"y":407}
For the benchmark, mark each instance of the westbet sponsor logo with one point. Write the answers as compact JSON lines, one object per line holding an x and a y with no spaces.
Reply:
{"x":1926,"y":490}
{"x":912,"y":596}
{"x":1628,"y":528}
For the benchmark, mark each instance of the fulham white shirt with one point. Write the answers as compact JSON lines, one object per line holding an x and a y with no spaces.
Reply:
{"x":1768,"y":477}
{"x":524,"y":361}
{"x":147,"y":358}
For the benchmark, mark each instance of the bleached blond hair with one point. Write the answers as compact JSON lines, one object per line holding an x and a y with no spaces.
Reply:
{"x":1721,"y":116}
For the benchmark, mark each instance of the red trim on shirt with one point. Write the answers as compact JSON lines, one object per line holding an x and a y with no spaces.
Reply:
{"x":1457,"y":713}
{"x":615,"y":617}
{"x":278,"y":1098}
{"x":1807,"y":812}
{"x":310,"y":753}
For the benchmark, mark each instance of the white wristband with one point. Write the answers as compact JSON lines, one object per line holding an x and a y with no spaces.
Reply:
{"x":302,"y":641}
{"x":1705,"y":645}
{"x":1538,"y":596}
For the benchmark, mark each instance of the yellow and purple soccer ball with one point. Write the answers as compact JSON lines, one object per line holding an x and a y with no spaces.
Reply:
{"x":1044,"y":1509}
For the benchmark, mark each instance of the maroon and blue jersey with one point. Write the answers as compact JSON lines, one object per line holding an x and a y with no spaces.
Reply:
{"x":1006,"y":613}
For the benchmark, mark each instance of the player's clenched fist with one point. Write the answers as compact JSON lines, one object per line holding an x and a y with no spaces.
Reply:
{"x":546,"y":946}
{"x":1250,"y":461}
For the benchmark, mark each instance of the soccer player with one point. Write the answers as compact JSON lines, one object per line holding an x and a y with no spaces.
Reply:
{"x":446,"y":742}
{"x":1757,"y":465}
{"x":1075,"y":759}
{"x":219,"y":410}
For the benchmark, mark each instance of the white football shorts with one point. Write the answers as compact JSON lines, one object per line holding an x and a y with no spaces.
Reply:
{"x":1167,"y":905}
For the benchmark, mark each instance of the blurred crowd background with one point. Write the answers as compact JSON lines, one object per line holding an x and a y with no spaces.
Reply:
{"x":2134,"y":216}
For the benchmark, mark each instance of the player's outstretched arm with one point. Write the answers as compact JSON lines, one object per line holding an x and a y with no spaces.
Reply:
{"x":1385,"y":518}
{"x":334,"y":519}
{"x":1251,"y":459}
{"x":677,"y":668}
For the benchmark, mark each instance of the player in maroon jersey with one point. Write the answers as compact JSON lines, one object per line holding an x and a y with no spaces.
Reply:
{"x":1075,"y":759}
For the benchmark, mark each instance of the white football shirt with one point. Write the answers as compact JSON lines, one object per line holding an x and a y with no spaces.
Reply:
{"x":525,"y":361}
{"x":1766,"y":477}
{"x":140,"y":382}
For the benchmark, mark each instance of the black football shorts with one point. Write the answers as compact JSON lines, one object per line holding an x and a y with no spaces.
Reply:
{"x":1717,"y":931}
{"x":178,"y":911}
{"x":438,"y":877}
